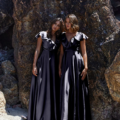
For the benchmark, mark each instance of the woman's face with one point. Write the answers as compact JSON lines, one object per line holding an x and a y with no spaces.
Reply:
{"x":56,"y":26}
{"x":67,"y":24}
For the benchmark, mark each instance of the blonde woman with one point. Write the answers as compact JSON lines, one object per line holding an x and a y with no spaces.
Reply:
{"x":73,"y":67}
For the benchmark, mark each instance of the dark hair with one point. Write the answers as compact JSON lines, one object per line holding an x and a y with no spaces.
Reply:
{"x":74,"y":22}
{"x":58,"y":33}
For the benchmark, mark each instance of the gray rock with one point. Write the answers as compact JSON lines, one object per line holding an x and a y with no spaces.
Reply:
{"x":10,"y":89}
{"x":2,"y":103}
{"x":96,"y":20}
{"x":6,"y":55}
{"x":8,"y":68}
{"x":6,"y":21}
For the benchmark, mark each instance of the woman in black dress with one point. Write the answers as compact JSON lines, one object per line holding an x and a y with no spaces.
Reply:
{"x":42,"y":102}
{"x":74,"y":96}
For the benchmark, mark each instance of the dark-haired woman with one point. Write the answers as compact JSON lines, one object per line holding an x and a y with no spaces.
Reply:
{"x":42,"y":102}
{"x":74,"y":95}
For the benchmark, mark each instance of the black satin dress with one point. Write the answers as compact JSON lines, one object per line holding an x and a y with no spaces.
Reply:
{"x":42,"y":102}
{"x":74,"y":94}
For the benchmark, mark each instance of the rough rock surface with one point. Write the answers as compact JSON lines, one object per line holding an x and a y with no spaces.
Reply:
{"x":6,"y":10}
{"x":112,"y":75}
{"x":116,"y":6}
{"x":7,"y":6}
{"x":103,"y":45}
{"x":8,"y":68}
{"x":10,"y":89}
{"x":5,"y":21}
{"x":6,"y":55}
{"x":96,"y":19}
{"x":2,"y":103}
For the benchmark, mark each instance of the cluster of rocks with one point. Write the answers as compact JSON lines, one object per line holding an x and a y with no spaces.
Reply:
{"x":116,"y":6}
{"x":8,"y":77}
{"x":116,"y":9}
{"x":98,"y":19}
{"x":9,"y":83}
{"x":10,"y":109}
{"x":9,"y":94}
{"x":6,"y":54}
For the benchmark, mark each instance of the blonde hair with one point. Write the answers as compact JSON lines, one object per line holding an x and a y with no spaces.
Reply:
{"x":74,"y":22}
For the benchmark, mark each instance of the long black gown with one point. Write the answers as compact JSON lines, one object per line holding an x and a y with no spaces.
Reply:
{"x":42,"y":102}
{"x":74,"y":94}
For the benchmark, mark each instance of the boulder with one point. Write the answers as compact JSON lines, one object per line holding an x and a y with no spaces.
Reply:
{"x":10,"y":89}
{"x":8,"y":68}
{"x":6,"y":10}
{"x":112,"y":75}
{"x":2,"y":103}
{"x":96,"y":20}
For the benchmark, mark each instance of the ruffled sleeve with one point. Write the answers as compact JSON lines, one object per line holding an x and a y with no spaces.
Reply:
{"x":83,"y":36}
{"x":80,"y":36}
{"x":41,"y":33}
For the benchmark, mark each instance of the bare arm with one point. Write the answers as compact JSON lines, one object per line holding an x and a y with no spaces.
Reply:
{"x":84,"y":55}
{"x":60,"y":58}
{"x":36,"y":54}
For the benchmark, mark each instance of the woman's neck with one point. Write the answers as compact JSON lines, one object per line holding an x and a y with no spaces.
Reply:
{"x":70,"y":31}
{"x":53,"y":33}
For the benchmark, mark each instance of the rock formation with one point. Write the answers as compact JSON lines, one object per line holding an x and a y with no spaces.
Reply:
{"x":99,"y":20}
{"x":2,"y":103}
{"x":6,"y":11}
{"x":116,"y":6}
{"x":8,"y":68}
{"x":112,"y":75}
{"x":9,"y":84}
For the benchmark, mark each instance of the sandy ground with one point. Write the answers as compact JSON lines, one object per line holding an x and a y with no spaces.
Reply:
{"x":13,"y":114}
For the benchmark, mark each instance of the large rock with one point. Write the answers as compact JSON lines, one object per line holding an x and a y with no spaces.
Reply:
{"x":6,"y":55}
{"x":96,"y":19}
{"x":8,"y":68}
{"x":7,"y":6}
{"x":103,"y":45}
{"x":6,"y":21}
{"x":112,"y":75}
{"x":116,"y":6}
{"x":2,"y":103}
{"x":10,"y":89}
{"x":29,"y":21}
{"x":6,"y":10}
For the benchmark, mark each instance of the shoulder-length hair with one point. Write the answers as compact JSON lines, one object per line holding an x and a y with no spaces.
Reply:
{"x":58,"y":33}
{"x":74,"y":22}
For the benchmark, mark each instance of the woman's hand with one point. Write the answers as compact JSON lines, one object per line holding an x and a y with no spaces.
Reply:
{"x":60,"y":73}
{"x":84,"y":73}
{"x":36,"y":54}
{"x":34,"y":70}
